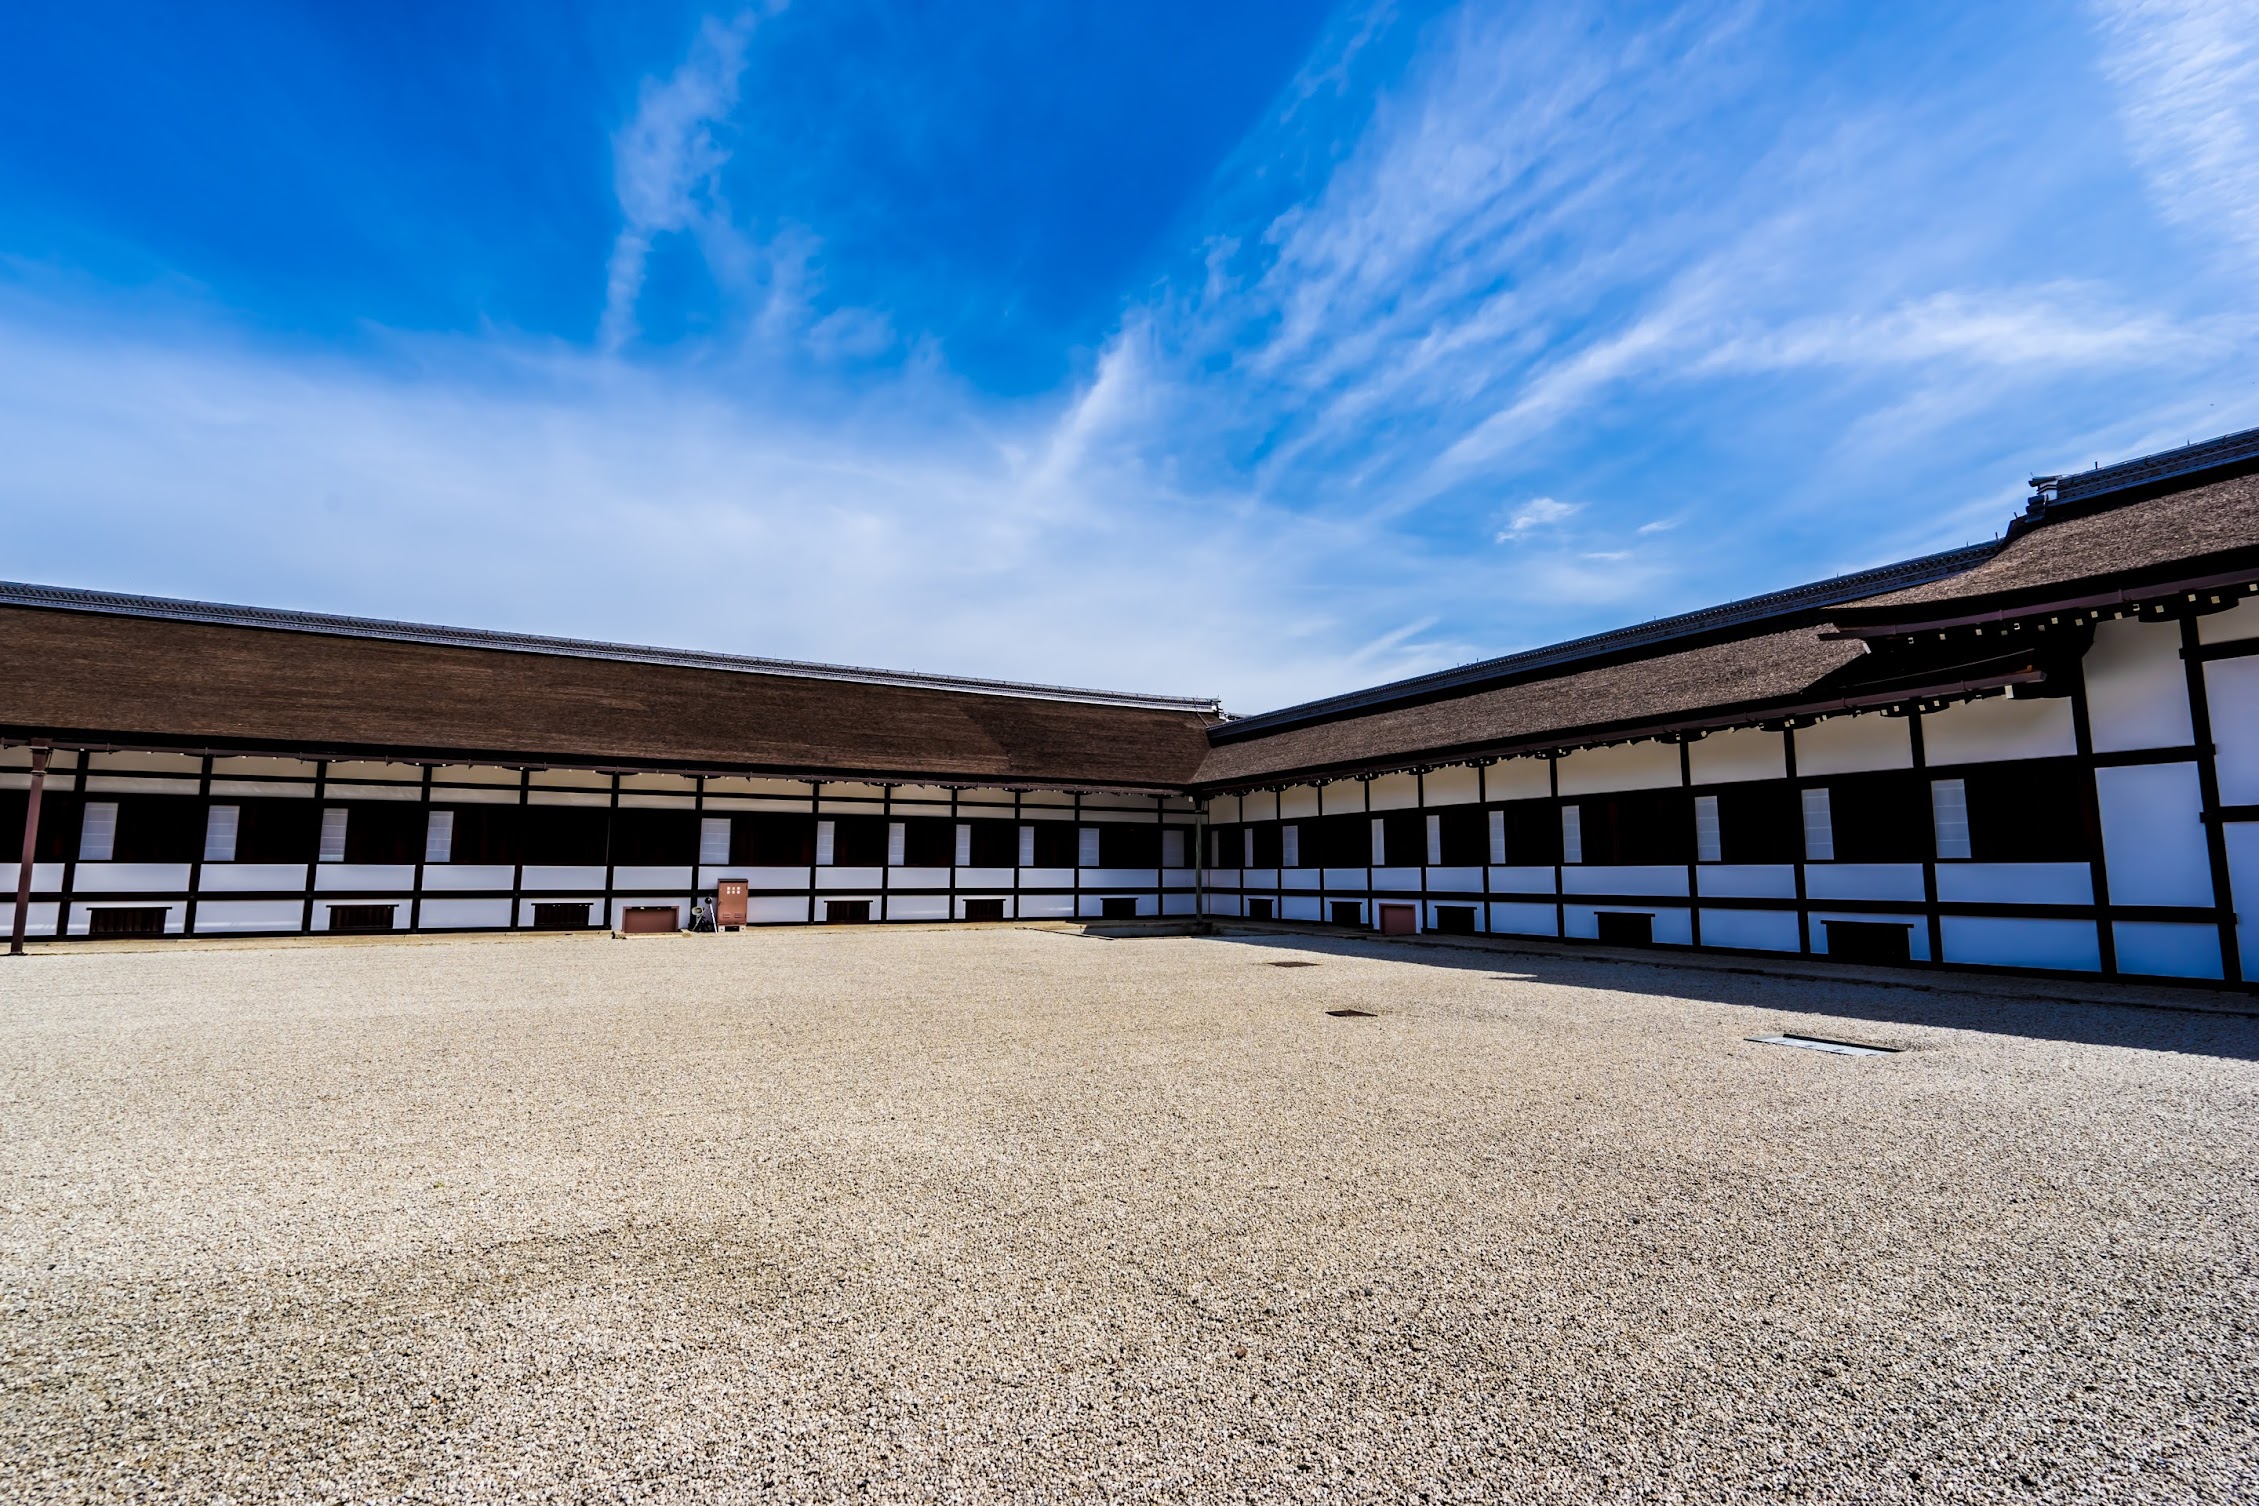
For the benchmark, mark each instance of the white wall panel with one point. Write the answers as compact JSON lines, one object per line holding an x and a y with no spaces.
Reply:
{"x":1450,"y":880}
{"x":1522,"y":880}
{"x":1397,"y":880}
{"x":1121,"y":878}
{"x":1394,"y":792}
{"x":220,"y":917}
{"x":734,"y":784}
{"x":1299,"y":878}
{"x":129,"y":784}
{"x":2237,"y":623}
{"x":1298,"y":800}
{"x":2001,"y":727}
{"x":2243,"y":880}
{"x":642,"y":877}
{"x":1863,"y":880}
{"x":1459,"y":785}
{"x":1342,"y":797}
{"x":1917,"y":935}
{"x":151,"y":763}
{"x":1754,"y":930}
{"x":1220,"y":904}
{"x":986,"y":878}
{"x":1740,"y":753}
{"x":1613,"y":879}
{"x":2137,"y":686}
{"x":1259,"y":805}
{"x":1524,"y":920}
{"x":1094,"y":905}
{"x":917,"y":878}
{"x":1180,"y":904}
{"x":389,"y":877}
{"x":1746,"y":881}
{"x":238,"y":877}
{"x":1299,"y":907}
{"x":1629,"y":766}
{"x":1259,"y":878}
{"x":563,"y":876}
{"x":1180,"y":878}
{"x":586,"y":798}
{"x":2016,"y":883}
{"x":851,"y":878}
{"x":917,"y":907}
{"x":1854,"y":744}
{"x":117,"y":878}
{"x":2160,"y":950}
{"x":1351,"y":880}
{"x":275,"y":789}
{"x":486,"y":914}
{"x":2153,"y":836}
{"x":2071,"y":945}
{"x":335,"y":791}
{"x":1047,"y":878}
{"x":2231,"y":693}
{"x":1224,"y":809}
{"x":1518,"y":779}
{"x":774,"y":909}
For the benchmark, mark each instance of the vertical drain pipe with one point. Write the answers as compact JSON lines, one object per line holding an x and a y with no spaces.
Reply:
{"x":39,"y":756}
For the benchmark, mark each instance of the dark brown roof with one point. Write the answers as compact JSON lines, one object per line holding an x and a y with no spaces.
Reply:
{"x":195,"y":683}
{"x":2181,"y":529}
{"x":1769,"y":657}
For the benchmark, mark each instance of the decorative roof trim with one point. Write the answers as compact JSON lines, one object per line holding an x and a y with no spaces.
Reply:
{"x":1749,"y":612}
{"x":220,"y":614}
{"x":2239,"y":448}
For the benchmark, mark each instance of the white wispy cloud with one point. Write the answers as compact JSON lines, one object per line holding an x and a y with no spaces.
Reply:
{"x":1538,"y":513}
{"x":2188,"y":74}
{"x":667,"y":164}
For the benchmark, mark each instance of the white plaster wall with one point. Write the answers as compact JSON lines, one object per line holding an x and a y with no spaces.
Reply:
{"x":1180,"y":904}
{"x":1259,"y":805}
{"x":221,"y":878}
{"x":774,"y":909}
{"x":1741,"y":753}
{"x":119,"y":878}
{"x":1451,"y":880}
{"x":2237,"y":623}
{"x":2004,"y":941}
{"x":1754,"y":930}
{"x":2001,"y":727}
{"x":1524,"y":919}
{"x":1299,"y":907}
{"x":2163,"y":950}
{"x":1657,"y":879}
{"x":437,"y":877}
{"x":2016,"y":883}
{"x":2243,"y":879}
{"x":2231,"y":694}
{"x":2153,"y":839}
{"x":563,"y":876}
{"x":222,"y":916}
{"x":1351,"y":879}
{"x":1342,"y":797}
{"x":1259,"y":878}
{"x":1629,"y":766}
{"x":1855,"y":744}
{"x":386,"y":876}
{"x":490,"y":914}
{"x":917,"y":878}
{"x":755,"y":878}
{"x":1224,"y":809}
{"x":850,"y":878}
{"x":1863,"y":880}
{"x":1397,"y":880}
{"x":1395,"y":792}
{"x":2137,"y":686}
{"x":1746,"y":881}
{"x":1047,"y":878}
{"x":985,"y":878}
{"x":1121,"y":878}
{"x":1461,"y":785}
{"x":1518,"y":779}
{"x":1522,"y":880}
{"x":917,"y":907}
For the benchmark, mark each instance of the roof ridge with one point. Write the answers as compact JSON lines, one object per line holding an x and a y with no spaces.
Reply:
{"x":1835,"y":590}
{"x":123,"y":604}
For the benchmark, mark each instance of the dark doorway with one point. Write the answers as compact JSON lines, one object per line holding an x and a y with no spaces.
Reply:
{"x":1870,"y":941}
{"x":1118,"y":907}
{"x":1347,"y":912}
{"x":126,"y":920}
{"x":1259,"y":909}
{"x":1620,"y":929}
{"x":361,"y":917}
{"x":847,"y":912}
{"x":984,"y":909}
{"x":560,"y":917}
{"x":1455,"y":920}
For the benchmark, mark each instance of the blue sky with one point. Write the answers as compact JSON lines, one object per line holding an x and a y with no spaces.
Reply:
{"x":1249,"y":350}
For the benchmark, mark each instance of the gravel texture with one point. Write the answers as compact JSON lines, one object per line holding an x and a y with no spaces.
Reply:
{"x":1013,"y":1214}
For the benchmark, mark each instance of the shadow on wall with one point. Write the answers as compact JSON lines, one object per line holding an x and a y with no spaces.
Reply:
{"x":1926,"y":999}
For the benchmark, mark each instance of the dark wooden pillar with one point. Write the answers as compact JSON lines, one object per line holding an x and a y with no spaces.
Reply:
{"x":39,"y":758}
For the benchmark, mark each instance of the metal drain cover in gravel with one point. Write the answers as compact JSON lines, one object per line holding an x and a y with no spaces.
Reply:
{"x":1353,"y":1014}
{"x":1294,"y":964}
{"x":1821,"y":1043}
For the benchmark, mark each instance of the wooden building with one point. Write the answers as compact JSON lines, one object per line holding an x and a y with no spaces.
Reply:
{"x":2039,"y":753}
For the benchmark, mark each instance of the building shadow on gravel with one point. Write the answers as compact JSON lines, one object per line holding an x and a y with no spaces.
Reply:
{"x":1941,"y":1001}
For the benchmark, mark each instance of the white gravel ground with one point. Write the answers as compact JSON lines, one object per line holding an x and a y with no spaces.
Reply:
{"x":973,"y":1215}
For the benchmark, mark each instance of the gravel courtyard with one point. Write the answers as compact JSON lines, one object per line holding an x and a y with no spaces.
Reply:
{"x":1016,"y":1214}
